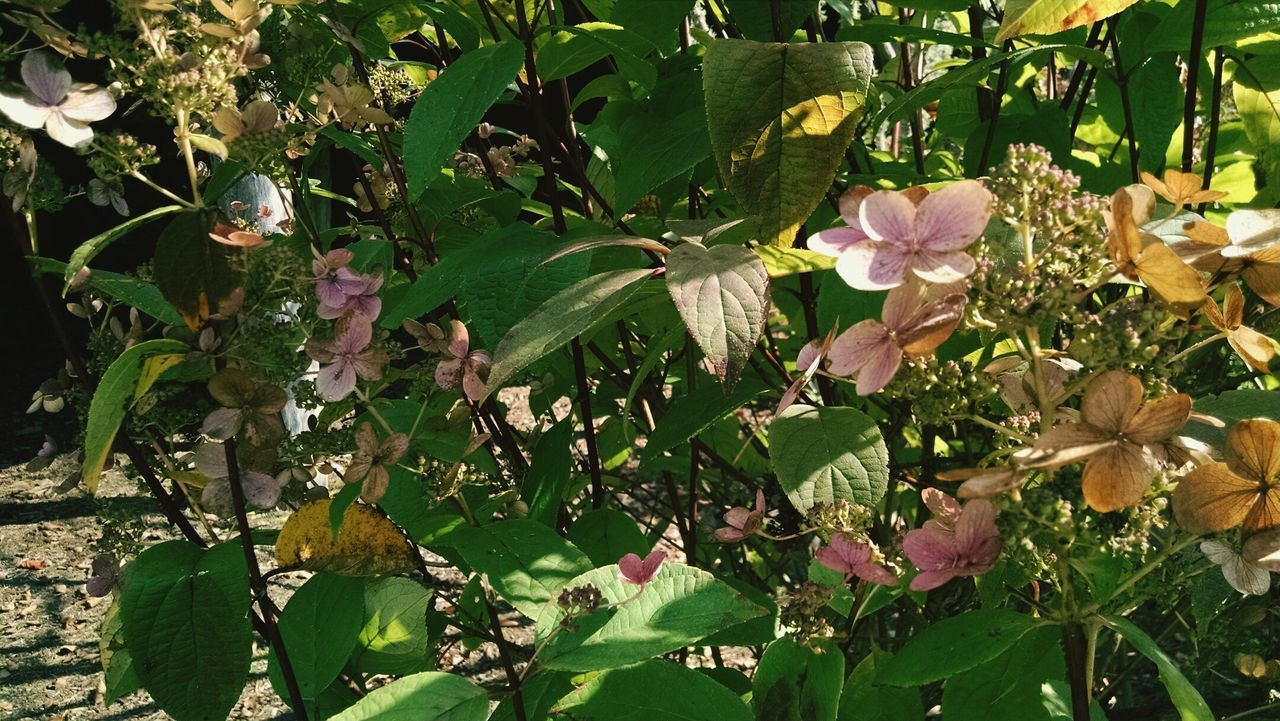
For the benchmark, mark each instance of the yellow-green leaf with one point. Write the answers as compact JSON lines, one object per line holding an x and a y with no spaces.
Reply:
{"x":1045,"y":17}
{"x":781,"y":116}
{"x":780,"y":262}
{"x":127,"y":379}
{"x":368,"y":543}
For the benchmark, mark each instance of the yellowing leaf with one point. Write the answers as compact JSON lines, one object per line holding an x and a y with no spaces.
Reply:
{"x":780,"y":262}
{"x":1046,"y":17}
{"x":152,"y":369}
{"x":780,"y":118}
{"x":368,"y":543}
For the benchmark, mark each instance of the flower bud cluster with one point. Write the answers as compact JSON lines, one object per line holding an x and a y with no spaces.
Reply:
{"x":941,"y":391}
{"x":1131,"y":335}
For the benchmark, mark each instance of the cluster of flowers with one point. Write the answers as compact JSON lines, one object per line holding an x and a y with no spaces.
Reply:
{"x":350,"y":299}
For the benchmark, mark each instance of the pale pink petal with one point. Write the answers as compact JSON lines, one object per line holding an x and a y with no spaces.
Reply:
{"x":875,"y":573}
{"x":851,"y":203}
{"x":879,"y":369}
{"x":652,"y":564}
{"x":808,"y":355}
{"x":944,"y":508}
{"x":222,"y":423}
{"x":929,"y":580}
{"x":88,"y":103}
{"x":368,"y":306}
{"x":639,"y":572}
{"x":890,"y":217}
{"x":355,"y":337}
{"x":449,"y":374}
{"x":43,"y":72}
{"x":459,"y":339}
{"x":329,"y":292}
{"x":211,"y":460}
{"x":834,"y":241}
{"x":760,"y":508}
{"x":260,"y":490}
{"x":473,"y":385}
{"x":854,"y":348}
{"x":729,"y":535}
{"x":873,"y":265}
{"x":930,"y":549}
{"x":942,"y":267}
{"x":737,"y":516}
{"x":216,"y":497}
{"x":853,"y":552}
{"x":369,"y":364}
{"x":953,"y":217}
{"x":976,"y":526}
{"x":901,"y":303}
{"x":336,"y":381}
{"x":331,"y":312}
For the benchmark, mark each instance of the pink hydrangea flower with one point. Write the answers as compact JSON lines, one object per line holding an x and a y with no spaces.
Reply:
{"x":969,"y":547}
{"x":890,"y":233}
{"x":349,"y":293}
{"x":467,"y":369}
{"x":917,"y":318}
{"x":742,"y":523}
{"x":346,"y":357}
{"x":853,"y":558}
{"x":53,"y":102}
{"x":638,"y":571}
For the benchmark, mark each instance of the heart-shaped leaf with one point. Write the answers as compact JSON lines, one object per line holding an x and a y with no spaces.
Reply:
{"x":723,"y":295}
{"x":829,"y":454}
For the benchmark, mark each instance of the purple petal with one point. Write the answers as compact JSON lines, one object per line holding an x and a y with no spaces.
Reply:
{"x":953,"y":217}
{"x":336,"y":381}
{"x":875,"y":573}
{"x":631,"y":568}
{"x":929,"y":580}
{"x":834,"y":241}
{"x":873,"y":265}
{"x":329,"y":292}
{"x":889,"y":217}
{"x":43,"y":72}
{"x":729,"y":535}
{"x":355,"y":337}
{"x":831,"y":558}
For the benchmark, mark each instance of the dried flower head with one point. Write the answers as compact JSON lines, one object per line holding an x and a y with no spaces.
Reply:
{"x":1243,"y":491}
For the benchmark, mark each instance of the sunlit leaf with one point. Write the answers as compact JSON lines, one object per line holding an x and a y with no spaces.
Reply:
{"x":1045,"y":17}
{"x":368,"y":544}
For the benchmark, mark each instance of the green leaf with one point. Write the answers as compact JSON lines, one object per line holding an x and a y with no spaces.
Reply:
{"x":1007,"y":688}
{"x":1185,"y":697}
{"x":1157,"y":96}
{"x":723,"y":295}
{"x":798,"y":683}
{"x":653,"y":691}
{"x":428,"y":696}
{"x":781,"y":117}
{"x":118,"y":674}
{"x":451,"y":106}
{"x":192,"y":270}
{"x":655,"y":21}
{"x":781,"y":262}
{"x":549,"y":474}
{"x":394,"y":637}
{"x":693,"y":413}
{"x":539,"y":693}
{"x":866,"y":699}
{"x":567,"y":314}
{"x":89,"y":249}
{"x":932,"y":654}
{"x":1257,"y":95}
{"x":1231,"y":407}
{"x":828,"y":454}
{"x":971,"y":73}
{"x":319,"y":626}
{"x":1225,"y":22}
{"x":1046,"y":17}
{"x":124,"y":382}
{"x":680,"y":606}
{"x":606,"y":535}
{"x":186,"y":625}
{"x":753,"y":17}
{"x":455,"y":24}
{"x":526,"y":562}
{"x":573,"y":49}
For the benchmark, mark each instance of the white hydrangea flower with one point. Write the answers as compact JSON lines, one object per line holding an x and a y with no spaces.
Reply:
{"x":53,"y":102}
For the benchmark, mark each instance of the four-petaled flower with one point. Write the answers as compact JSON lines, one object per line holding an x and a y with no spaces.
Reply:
{"x":103,"y":575}
{"x":369,"y":464}
{"x":917,"y":318}
{"x":247,"y":404}
{"x":1255,"y":245}
{"x":892,"y":235}
{"x":260,"y":490}
{"x":1253,"y":347}
{"x":1242,"y":575}
{"x":853,"y":558}
{"x":358,"y":295}
{"x":743,"y":523}
{"x":1244,"y":491}
{"x":53,"y":102}
{"x":468,"y":369}
{"x":346,"y":357}
{"x":966,"y":545}
{"x":640,"y":571}
{"x":1111,"y":436}
{"x":259,"y":116}
{"x":1181,"y":188}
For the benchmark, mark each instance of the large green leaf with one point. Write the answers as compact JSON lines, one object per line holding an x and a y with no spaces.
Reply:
{"x":798,"y":683}
{"x":572,"y":49}
{"x":567,"y":314}
{"x":866,"y":699}
{"x":186,"y":625}
{"x":118,"y":675}
{"x":828,"y":454}
{"x":678,"y":607}
{"x":653,"y":691}
{"x":394,"y":637}
{"x":1225,"y":22}
{"x":526,"y":562}
{"x":754,"y":18}
{"x":722,"y":293}
{"x":427,"y":696}
{"x":932,"y":654}
{"x":1256,"y":90}
{"x":1007,"y":688}
{"x":781,"y":117}
{"x":1157,"y":97}
{"x":127,"y":379}
{"x":1185,"y":697}
{"x":319,"y":627}
{"x":193,"y":271}
{"x":89,"y":249}
{"x":693,"y":413}
{"x":1046,"y":17}
{"x":451,"y":106}
{"x":1231,"y":407}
